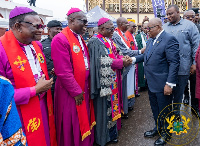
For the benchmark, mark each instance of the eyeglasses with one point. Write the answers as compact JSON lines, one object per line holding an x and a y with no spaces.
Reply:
{"x":37,"y":26}
{"x":188,"y":17}
{"x":165,"y":18}
{"x":149,"y":28}
{"x":134,"y":26}
{"x":84,"y":21}
{"x":110,"y":29}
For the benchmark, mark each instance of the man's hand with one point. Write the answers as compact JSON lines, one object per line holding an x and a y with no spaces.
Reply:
{"x":79,"y":98}
{"x":193,"y":69}
{"x":167,"y":90}
{"x":127,"y":61}
{"x":143,"y":49}
{"x":43,"y":85}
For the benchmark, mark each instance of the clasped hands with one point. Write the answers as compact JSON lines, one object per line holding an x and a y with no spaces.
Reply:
{"x":127,"y":60}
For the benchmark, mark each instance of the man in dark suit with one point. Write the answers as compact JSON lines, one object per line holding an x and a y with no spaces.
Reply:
{"x":161,"y":63}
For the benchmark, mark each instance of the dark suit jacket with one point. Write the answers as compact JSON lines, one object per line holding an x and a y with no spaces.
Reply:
{"x":162,"y":64}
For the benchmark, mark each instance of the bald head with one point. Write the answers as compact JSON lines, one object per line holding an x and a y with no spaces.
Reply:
{"x":122,"y":24}
{"x":121,"y":20}
{"x":131,"y":23}
{"x":189,"y":12}
{"x":154,"y":27}
{"x":132,"y":27}
{"x":156,"y":21}
{"x":189,"y":15}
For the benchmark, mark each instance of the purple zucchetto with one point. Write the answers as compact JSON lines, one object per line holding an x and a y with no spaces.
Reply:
{"x":19,"y":11}
{"x":102,"y":21}
{"x":73,"y":10}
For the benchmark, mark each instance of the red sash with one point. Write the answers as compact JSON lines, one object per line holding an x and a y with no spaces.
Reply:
{"x":23,"y":76}
{"x":116,"y":112}
{"x":79,"y":75}
{"x":130,"y":39}
{"x":120,"y":33}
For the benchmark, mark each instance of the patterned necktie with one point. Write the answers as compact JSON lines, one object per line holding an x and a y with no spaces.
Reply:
{"x":150,"y":47}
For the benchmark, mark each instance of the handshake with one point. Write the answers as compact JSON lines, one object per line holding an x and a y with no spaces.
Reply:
{"x":131,"y":60}
{"x":127,"y":61}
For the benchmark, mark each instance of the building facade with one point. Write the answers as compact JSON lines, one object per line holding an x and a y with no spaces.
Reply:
{"x":136,"y":9}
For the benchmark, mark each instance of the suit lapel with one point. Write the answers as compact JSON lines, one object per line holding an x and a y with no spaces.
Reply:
{"x":146,"y":51}
{"x":155,"y":45}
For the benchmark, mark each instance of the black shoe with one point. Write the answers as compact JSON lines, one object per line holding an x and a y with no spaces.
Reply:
{"x":114,"y":141}
{"x":151,"y":133}
{"x":137,"y":95}
{"x":186,"y":101}
{"x":161,"y":141}
{"x":130,"y":109}
{"x":124,"y":116}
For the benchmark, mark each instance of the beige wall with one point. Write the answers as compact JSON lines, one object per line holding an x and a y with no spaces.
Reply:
{"x":115,"y":15}
{"x":133,"y":16}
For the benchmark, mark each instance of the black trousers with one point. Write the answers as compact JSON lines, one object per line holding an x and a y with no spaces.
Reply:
{"x":194,"y":101}
{"x":160,"y":108}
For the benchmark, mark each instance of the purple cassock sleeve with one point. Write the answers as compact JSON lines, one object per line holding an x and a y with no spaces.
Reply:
{"x":21,"y":95}
{"x":117,"y":64}
{"x":63,"y":66}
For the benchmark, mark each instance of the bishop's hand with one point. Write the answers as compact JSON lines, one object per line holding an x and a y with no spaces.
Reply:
{"x":79,"y":98}
{"x":43,"y":85}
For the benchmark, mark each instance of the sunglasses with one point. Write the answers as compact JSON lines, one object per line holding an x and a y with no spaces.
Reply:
{"x":134,"y":26}
{"x":188,"y":17}
{"x":149,"y":28}
{"x":84,"y":21}
{"x":165,"y":18}
{"x":37,"y":26}
{"x":110,"y":29}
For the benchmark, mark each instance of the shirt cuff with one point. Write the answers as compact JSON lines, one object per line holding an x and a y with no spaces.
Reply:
{"x":32,"y":91}
{"x":134,"y":60}
{"x":171,"y":84}
{"x":139,"y":52}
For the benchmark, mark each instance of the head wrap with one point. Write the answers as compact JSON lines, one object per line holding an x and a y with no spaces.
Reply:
{"x":102,"y":21}
{"x":19,"y":11}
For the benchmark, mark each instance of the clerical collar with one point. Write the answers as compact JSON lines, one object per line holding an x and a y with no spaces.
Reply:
{"x":22,"y":45}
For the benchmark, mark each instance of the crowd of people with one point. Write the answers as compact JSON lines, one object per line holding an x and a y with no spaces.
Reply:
{"x":62,"y":91}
